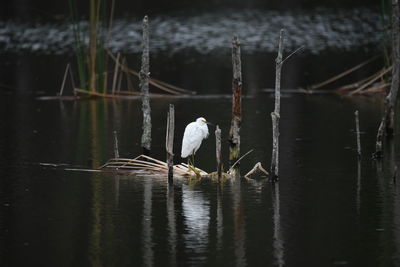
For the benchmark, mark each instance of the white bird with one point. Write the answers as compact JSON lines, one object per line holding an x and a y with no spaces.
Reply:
{"x":194,"y":134}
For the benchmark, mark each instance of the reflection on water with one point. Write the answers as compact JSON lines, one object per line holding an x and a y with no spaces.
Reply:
{"x":220,"y":218}
{"x":278,"y":244}
{"x":239,"y":223}
{"x":103,"y":219}
{"x":172,"y":236}
{"x":147,"y":237}
{"x":196,"y":212}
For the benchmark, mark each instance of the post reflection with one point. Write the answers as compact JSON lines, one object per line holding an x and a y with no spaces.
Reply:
{"x":278,"y":244}
{"x":171,"y":224}
{"x":147,"y":232}
{"x":196,"y":212}
{"x":220,"y":218}
{"x":396,"y":222}
{"x":358,"y":200}
{"x":239,"y":223}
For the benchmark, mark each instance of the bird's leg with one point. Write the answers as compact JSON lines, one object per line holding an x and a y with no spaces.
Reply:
{"x":194,"y":168}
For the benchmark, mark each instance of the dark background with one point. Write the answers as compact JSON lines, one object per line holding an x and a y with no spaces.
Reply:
{"x":55,"y":10}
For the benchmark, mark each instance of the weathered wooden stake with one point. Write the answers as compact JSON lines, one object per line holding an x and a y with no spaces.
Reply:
{"x":276,"y":114}
{"x":169,"y":141}
{"x":394,"y":88}
{"x":358,"y":134}
{"x":234,"y":135}
{"x":218,"y":151}
{"x":379,"y":140}
{"x":144,"y":86}
{"x":387,"y":122}
{"x":116,"y":151}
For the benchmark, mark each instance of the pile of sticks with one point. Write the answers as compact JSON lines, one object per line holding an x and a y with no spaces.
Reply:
{"x":148,"y":164}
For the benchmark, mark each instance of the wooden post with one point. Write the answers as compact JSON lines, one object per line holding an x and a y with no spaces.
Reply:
{"x":218,"y":151}
{"x":169,"y":141}
{"x":358,"y":134}
{"x":234,"y":135}
{"x":116,"y":151}
{"x":276,"y":114}
{"x":394,"y":88}
{"x":379,"y":140}
{"x":144,"y":86}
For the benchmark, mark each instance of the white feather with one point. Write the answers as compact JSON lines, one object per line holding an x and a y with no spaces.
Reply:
{"x":194,"y":134}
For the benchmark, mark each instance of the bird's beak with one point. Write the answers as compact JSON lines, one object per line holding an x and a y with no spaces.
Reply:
{"x":209,"y":123}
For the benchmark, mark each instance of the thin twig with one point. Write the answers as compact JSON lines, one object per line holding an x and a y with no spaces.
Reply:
{"x":64,"y":79}
{"x":294,"y":52}
{"x":114,"y":84}
{"x":236,"y":162}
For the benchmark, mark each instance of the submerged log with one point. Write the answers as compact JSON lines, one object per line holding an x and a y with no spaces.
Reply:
{"x":169,"y":142}
{"x":276,"y":114}
{"x":234,"y":135}
{"x":144,"y":87}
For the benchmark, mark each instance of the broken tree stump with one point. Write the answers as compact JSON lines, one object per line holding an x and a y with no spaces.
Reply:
{"x":234,"y":135}
{"x":218,"y":151}
{"x":169,"y":141}
{"x":144,"y":87}
{"x":275,"y":115}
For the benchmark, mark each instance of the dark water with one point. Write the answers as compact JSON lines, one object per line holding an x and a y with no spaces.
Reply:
{"x":326,"y":210}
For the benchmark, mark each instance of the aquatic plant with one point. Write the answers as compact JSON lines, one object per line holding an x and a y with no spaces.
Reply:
{"x":90,"y":60}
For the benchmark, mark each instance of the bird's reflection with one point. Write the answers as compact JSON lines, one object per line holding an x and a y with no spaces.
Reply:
{"x":196,"y":211}
{"x":278,"y":244}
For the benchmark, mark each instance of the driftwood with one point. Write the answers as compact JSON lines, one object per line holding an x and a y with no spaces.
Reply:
{"x":144,"y":87}
{"x":341,"y":75}
{"x":256,"y":169}
{"x":146,"y":164}
{"x":276,"y":114}
{"x":169,"y":141}
{"x":234,"y":135}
